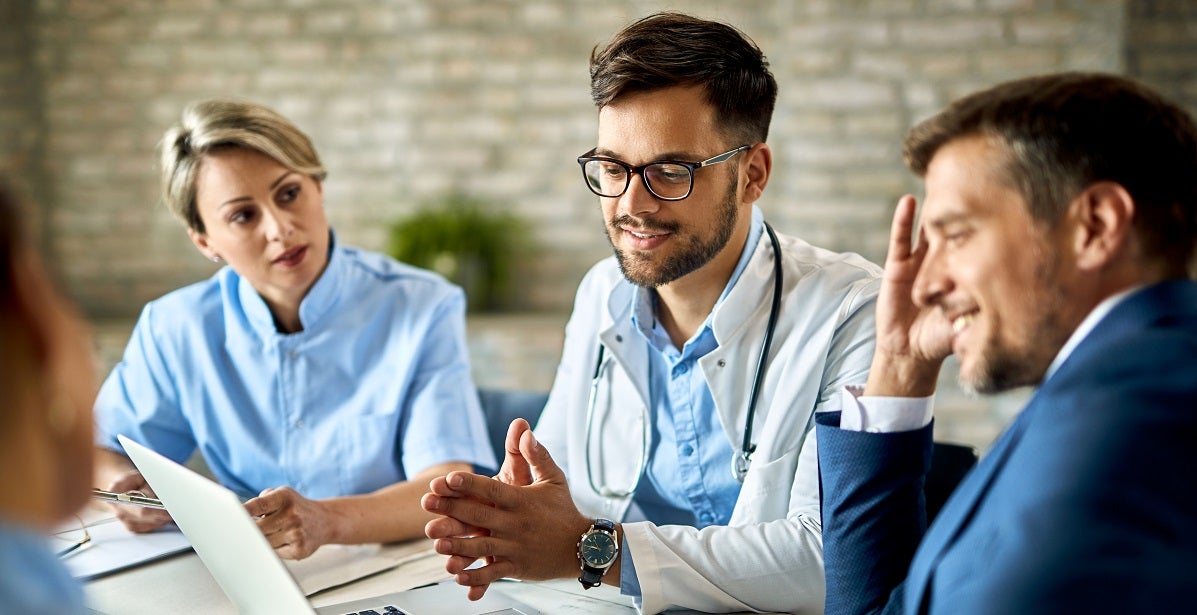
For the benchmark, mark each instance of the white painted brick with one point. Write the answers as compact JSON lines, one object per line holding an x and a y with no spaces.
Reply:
{"x":845,"y":94}
{"x":959,"y":32}
{"x":409,"y":98}
{"x":1045,"y":29}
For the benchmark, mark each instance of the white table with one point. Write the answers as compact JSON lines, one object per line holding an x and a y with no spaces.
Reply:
{"x":181,"y":583}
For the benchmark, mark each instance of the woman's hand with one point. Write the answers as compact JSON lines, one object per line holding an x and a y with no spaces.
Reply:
{"x":139,"y":519}
{"x":294,"y":525}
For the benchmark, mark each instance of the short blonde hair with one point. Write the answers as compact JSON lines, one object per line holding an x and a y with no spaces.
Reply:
{"x":211,"y":125}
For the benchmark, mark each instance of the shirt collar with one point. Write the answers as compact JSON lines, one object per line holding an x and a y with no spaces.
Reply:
{"x":644,"y":299}
{"x":1087,"y":325}
{"x":319,"y":300}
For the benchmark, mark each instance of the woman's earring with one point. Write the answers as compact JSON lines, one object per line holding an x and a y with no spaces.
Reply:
{"x":216,"y":259}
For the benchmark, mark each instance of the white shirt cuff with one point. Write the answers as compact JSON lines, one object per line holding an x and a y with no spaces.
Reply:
{"x":883,"y":414}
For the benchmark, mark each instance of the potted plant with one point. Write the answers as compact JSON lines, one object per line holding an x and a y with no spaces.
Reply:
{"x":473,"y":243}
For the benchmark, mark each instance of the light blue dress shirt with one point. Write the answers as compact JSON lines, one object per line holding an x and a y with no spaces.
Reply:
{"x":34,"y":581}
{"x":688,"y":479}
{"x":376,"y":387}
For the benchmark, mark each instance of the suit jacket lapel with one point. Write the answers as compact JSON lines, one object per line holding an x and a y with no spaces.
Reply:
{"x":958,"y":510}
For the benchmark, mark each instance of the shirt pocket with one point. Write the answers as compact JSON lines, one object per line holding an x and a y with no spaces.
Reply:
{"x":765,"y":495}
{"x":370,"y":456}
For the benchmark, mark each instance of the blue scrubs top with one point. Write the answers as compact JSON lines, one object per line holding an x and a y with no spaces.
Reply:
{"x":34,"y":581}
{"x":375,"y":389}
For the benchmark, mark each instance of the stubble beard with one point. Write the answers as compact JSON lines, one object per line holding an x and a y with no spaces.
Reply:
{"x":1003,"y":367}
{"x":642,"y":269}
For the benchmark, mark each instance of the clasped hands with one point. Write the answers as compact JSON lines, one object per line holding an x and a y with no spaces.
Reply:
{"x":522,"y":523}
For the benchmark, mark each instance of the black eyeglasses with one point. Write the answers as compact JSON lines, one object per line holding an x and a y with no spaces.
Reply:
{"x":668,"y":180}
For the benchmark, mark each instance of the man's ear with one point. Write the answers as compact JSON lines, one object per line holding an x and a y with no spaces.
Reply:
{"x":201,"y":243}
{"x":758,"y":162}
{"x":1105,"y":216}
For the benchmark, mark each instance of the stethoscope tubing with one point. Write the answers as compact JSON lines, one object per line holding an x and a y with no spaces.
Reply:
{"x":741,"y":460}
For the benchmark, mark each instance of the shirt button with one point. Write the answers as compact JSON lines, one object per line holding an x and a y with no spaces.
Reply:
{"x":298,"y":423}
{"x":683,"y":368}
{"x":687,"y":450}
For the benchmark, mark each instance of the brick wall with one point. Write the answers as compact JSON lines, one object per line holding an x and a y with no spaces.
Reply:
{"x":407,"y":100}
{"x":19,"y":137}
{"x":1162,"y":46}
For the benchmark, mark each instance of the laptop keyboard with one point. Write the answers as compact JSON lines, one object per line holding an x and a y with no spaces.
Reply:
{"x":386,"y":610}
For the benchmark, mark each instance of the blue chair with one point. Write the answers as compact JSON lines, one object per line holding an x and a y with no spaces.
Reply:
{"x":501,"y":406}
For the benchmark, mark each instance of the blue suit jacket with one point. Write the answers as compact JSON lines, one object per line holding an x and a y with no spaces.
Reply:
{"x":1087,"y":503}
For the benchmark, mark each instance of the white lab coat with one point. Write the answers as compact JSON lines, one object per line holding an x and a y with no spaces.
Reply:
{"x":770,"y":556}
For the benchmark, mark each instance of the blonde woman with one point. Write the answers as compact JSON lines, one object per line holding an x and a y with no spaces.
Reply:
{"x":328,"y":384}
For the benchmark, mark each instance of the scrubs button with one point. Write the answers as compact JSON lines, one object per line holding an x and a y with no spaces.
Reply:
{"x":687,"y":450}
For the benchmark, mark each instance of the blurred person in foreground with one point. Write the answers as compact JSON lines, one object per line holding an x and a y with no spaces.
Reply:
{"x":330,"y":382}
{"x":674,"y":484}
{"x":47,"y":384}
{"x":1053,"y":242}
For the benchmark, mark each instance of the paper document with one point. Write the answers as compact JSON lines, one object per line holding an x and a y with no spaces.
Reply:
{"x":334,"y":565}
{"x":113,"y":548}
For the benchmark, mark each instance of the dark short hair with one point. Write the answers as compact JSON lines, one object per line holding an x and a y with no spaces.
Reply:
{"x":1066,"y":131}
{"x":673,"y":49}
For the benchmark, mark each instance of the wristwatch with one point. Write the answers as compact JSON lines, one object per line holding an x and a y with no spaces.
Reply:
{"x":597,"y":550}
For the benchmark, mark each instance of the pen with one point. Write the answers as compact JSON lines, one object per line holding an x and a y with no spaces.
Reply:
{"x":133,"y":497}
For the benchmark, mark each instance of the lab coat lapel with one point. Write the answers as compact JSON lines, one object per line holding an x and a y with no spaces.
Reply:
{"x":624,"y":343}
{"x":742,"y":315}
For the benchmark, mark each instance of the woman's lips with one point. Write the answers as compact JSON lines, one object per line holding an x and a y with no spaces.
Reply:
{"x":293,"y":257}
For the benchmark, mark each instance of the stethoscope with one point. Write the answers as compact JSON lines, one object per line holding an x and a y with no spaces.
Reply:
{"x":740,"y":461}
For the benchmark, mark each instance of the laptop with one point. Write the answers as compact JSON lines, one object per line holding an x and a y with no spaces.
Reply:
{"x":241,"y":560}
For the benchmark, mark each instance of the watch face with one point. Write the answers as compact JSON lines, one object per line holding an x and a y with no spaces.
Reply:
{"x":599,"y":549}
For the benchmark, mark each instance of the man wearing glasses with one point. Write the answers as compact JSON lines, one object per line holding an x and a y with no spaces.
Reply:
{"x":684,"y":468}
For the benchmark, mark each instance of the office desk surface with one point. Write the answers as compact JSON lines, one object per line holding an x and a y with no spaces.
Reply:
{"x":182,"y":583}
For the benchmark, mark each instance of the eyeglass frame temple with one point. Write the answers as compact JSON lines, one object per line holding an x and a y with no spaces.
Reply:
{"x":78,"y":544}
{"x":639,"y":170}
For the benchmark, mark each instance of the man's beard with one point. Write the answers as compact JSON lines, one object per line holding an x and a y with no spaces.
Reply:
{"x":639,"y":269}
{"x":1002,"y":367}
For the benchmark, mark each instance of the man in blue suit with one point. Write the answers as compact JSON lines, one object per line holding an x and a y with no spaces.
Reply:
{"x":1059,"y":219}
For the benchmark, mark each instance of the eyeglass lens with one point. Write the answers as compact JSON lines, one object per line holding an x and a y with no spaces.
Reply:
{"x":666,"y":180}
